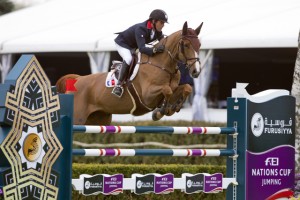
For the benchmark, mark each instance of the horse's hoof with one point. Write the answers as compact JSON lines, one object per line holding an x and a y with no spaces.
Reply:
{"x":178,"y":108}
{"x":174,"y":108}
{"x":156,"y":115}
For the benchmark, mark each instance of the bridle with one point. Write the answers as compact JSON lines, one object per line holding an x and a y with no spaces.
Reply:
{"x":181,"y":50}
{"x":175,"y":58}
{"x":181,"y":46}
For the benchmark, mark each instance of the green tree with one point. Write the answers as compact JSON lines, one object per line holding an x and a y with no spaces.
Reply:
{"x":6,"y":6}
{"x":296,"y":94}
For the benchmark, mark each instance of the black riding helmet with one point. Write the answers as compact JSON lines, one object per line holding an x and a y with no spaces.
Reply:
{"x":159,"y":14}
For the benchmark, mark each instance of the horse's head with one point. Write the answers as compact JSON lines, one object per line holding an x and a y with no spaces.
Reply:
{"x":189,"y":47}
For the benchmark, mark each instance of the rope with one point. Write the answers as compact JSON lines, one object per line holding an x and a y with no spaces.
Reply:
{"x":158,"y":144}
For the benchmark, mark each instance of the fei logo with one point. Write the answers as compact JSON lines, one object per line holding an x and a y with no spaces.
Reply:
{"x":272,"y":161}
{"x":257,"y":124}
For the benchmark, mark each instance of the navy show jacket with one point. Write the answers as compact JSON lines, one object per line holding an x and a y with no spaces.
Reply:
{"x":137,"y":36}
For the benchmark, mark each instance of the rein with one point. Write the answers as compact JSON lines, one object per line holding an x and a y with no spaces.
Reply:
{"x":160,"y":67}
{"x":172,"y":74}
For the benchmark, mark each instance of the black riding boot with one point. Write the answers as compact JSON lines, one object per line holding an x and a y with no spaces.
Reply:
{"x":118,"y":89}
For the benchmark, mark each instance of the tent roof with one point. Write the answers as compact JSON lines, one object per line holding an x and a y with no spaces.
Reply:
{"x":76,"y":25}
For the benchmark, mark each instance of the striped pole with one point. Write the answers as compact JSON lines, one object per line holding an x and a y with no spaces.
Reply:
{"x":154,"y":152}
{"x":153,"y":129}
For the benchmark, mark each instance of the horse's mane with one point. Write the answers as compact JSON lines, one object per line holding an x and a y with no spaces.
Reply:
{"x":174,"y":37}
{"x":177,"y":36}
{"x":171,"y":41}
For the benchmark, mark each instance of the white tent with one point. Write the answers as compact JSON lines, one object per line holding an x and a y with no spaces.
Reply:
{"x":89,"y":26}
{"x":76,"y":25}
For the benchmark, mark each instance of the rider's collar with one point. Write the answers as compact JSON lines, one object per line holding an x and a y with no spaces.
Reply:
{"x":149,"y":25}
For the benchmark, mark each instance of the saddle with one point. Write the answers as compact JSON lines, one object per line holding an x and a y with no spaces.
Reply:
{"x":133,"y":69}
{"x":116,"y":66}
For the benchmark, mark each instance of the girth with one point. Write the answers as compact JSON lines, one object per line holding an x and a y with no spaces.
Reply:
{"x":139,"y":108}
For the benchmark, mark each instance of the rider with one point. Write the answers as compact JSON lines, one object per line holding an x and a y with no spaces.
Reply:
{"x":136,"y":37}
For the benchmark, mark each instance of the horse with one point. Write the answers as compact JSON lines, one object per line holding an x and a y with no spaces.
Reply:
{"x":154,"y":88}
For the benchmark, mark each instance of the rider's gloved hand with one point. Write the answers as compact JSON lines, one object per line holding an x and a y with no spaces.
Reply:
{"x":159,"y":49}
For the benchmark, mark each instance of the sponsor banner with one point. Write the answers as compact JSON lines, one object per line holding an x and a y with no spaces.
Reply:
{"x":213,"y":183}
{"x":93,"y":185}
{"x":272,"y":124}
{"x":194,"y":183}
{"x":271,"y":172}
{"x":103,"y":183}
{"x":113,"y":184}
{"x":164,"y":183}
{"x":270,"y":151}
{"x":154,"y":183}
{"x":144,"y":184}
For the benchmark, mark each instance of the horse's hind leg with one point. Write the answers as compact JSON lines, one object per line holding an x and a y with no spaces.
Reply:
{"x":99,"y":118}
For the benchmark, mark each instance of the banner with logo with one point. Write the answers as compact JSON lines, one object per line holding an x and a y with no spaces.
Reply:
{"x":203,"y":182}
{"x":270,"y":155}
{"x":154,"y":183}
{"x":103,"y":183}
{"x":194,"y":183}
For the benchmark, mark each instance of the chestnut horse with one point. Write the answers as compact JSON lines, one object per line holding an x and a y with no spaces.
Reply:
{"x":155,"y":87}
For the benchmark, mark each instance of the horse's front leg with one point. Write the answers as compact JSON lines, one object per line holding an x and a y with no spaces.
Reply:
{"x":178,"y":98}
{"x":158,"y":113}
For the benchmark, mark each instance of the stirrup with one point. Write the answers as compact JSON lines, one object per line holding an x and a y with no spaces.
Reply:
{"x":118,"y":91}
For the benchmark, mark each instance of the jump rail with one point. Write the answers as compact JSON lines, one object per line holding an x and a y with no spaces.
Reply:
{"x":153,"y":129}
{"x":154,"y":152}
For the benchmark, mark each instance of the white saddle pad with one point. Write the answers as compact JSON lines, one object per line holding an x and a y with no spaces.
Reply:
{"x":111,"y":79}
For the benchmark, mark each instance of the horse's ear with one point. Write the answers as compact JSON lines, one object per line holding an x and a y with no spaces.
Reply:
{"x":198,"y":29}
{"x":184,"y":28}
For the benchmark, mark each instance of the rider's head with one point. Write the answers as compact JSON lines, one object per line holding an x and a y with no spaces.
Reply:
{"x":159,"y":15}
{"x":158,"y":18}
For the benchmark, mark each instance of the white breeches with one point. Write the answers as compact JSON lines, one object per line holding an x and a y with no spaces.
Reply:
{"x":124,"y":53}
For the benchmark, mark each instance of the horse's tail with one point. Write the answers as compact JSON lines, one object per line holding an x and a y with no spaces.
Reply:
{"x":61,"y":83}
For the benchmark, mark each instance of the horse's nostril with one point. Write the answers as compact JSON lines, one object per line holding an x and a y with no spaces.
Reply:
{"x":196,"y":74}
